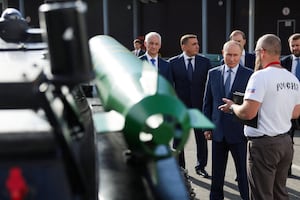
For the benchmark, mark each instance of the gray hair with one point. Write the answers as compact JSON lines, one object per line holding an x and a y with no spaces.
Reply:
{"x":152,"y":34}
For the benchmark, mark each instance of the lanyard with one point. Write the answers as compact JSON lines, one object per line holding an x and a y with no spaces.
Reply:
{"x":272,"y":63}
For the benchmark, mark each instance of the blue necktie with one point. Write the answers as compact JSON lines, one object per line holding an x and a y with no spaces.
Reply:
{"x":227,"y":83}
{"x":298,"y":68}
{"x":152,"y":61}
{"x":190,"y":69}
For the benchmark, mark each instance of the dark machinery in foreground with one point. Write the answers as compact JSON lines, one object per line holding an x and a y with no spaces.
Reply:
{"x":86,"y":120}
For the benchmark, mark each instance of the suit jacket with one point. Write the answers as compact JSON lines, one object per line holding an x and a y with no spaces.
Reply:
{"x":226,"y":125}
{"x":249,"y":60}
{"x":287,"y":62}
{"x":141,"y":52}
{"x":190,"y":93}
{"x":163,"y":67}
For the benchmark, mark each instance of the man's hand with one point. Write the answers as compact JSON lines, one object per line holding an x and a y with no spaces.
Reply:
{"x":208,"y":135}
{"x":226,"y":107}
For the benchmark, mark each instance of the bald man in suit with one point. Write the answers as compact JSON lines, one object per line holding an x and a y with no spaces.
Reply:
{"x":229,"y":133}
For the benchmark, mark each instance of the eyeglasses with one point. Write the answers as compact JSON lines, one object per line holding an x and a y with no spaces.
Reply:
{"x":259,"y":50}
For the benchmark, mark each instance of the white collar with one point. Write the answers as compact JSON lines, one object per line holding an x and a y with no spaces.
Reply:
{"x":234,"y":69}
{"x":187,"y":57}
{"x":295,"y":58}
{"x":149,"y":57}
{"x":243,"y":52}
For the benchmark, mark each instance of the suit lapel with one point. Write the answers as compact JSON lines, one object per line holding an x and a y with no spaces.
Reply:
{"x":221,"y":80}
{"x":159,"y":65}
{"x":197,"y":68}
{"x":290,"y":63}
{"x":182,"y":64}
{"x":237,"y":79}
{"x":144,"y":57}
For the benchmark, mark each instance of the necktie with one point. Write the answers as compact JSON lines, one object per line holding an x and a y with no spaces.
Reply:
{"x":190,"y":69}
{"x":152,"y":61}
{"x":298,"y":68}
{"x":227,"y":83}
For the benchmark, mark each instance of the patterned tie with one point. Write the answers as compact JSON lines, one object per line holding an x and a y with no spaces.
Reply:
{"x":227,"y":83}
{"x":190,"y":69}
{"x":152,"y":61}
{"x":298,"y":68}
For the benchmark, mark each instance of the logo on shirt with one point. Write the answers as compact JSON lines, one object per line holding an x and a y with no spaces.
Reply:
{"x":287,"y":86}
{"x":250,"y":90}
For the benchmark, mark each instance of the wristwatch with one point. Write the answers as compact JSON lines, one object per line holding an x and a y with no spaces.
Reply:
{"x":231,"y":109}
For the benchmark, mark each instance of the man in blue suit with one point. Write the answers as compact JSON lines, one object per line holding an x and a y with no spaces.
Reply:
{"x":153,"y":43}
{"x":189,"y":73}
{"x":290,"y":62}
{"x":228,"y":134}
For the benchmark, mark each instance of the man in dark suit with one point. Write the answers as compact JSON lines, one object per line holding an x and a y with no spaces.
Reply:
{"x":138,"y":51}
{"x":153,"y":43}
{"x":247,"y":59}
{"x":228,"y":135}
{"x":290,"y":62}
{"x":189,"y":72}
